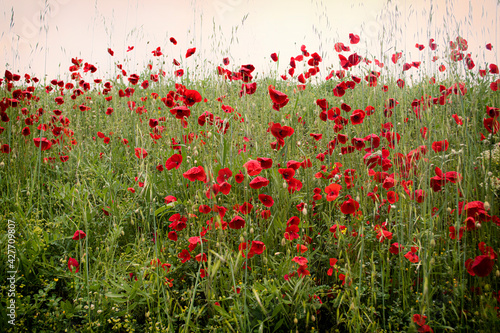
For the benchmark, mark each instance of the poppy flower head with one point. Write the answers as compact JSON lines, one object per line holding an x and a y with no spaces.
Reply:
{"x":73,"y":264}
{"x":266,"y":200}
{"x":237,"y":222}
{"x":253,"y":167}
{"x":278,"y":98}
{"x":42,"y":143}
{"x":354,"y":39}
{"x":196,"y":173}
{"x":349,"y":206}
{"x":79,"y":234}
{"x":265,"y":163}
{"x":140,"y":153}
{"x":332,"y":191}
{"x":174,"y":161}
{"x":258,"y":182}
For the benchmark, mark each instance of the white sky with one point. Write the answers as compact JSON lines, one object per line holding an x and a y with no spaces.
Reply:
{"x":44,"y":35}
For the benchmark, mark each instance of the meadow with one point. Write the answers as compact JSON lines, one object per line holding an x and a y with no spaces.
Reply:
{"x":302,"y":201}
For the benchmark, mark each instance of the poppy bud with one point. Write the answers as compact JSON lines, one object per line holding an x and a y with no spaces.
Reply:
{"x":242,"y":239}
{"x":304,"y":211}
{"x":244,"y":234}
{"x":497,"y":273}
{"x":295,"y":321}
{"x":285,"y":185}
{"x":251,"y":230}
{"x":264,"y":260}
{"x":487,"y":205}
{"x":433,"y":243}
{"x":313,"y":318}
{"x":448,"y":210}
{"x":478,"y":225}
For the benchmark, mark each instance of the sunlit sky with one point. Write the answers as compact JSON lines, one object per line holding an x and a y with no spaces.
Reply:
{"x":40,"y":37}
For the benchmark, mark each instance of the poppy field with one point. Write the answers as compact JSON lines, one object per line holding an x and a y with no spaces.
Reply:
{"x":362,"y":199}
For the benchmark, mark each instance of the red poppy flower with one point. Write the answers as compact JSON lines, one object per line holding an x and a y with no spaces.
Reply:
{"x":141,"y":153}
{"x":174,"y":161}
{"x":265,"y":214}
{"x":300,"y":260}
{"x":246,"y":208}
{"x":225,"y":188}
{"x":278,"y":98}
{"x":482,"y":265}
{"x":281,"y":132}
{"x":79,"y":234}
{"x":349,"y":206}
{"x":190,"y":52}
{"x":5,"y":149}
{"x":259,"y":182}
{"x":439,"y":146}
{"x":332,"y":191}
{"x":196,"y":173}
{"x":253,"y":167}
{"x":287,"y":173}
{"x":179,"y":73}
{"x":453,"y":232}
{"x":180,"y":112}
{"x":457,"y":119}
{"x":495,"y":85}
{"x":316,"y":136}
{"x":258,"y":247}
{"x":411,"y":256}
{"x":266,"y":200}
{"x":491,"y":125}
{"x":265,"y":163}
{"x":357,"y":117}
{"x":294,"y":185}
{"x":302,"y":271}
{"x":44,"y":143}
{"x":354,"y":39}
{"x":432,"y":45}
{"x":339,"y":89}
{"x":339,"y":47}
{"x":274,"y":57}
{"x":237,"y":222}
{"x":184,"y":256}
{"x":202,"y":257}
{"x":392,"y":197}
{"x":239,"y":177}
{"x":73,"y":263}
{"x":172,"y":235}
{"x":191,"y":97}
{"x":223,"y":175}
{"x":395,"y":248}
{"x":383,"y":235}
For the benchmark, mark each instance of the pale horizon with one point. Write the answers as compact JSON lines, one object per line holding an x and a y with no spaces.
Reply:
{"x":45,"y":35}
